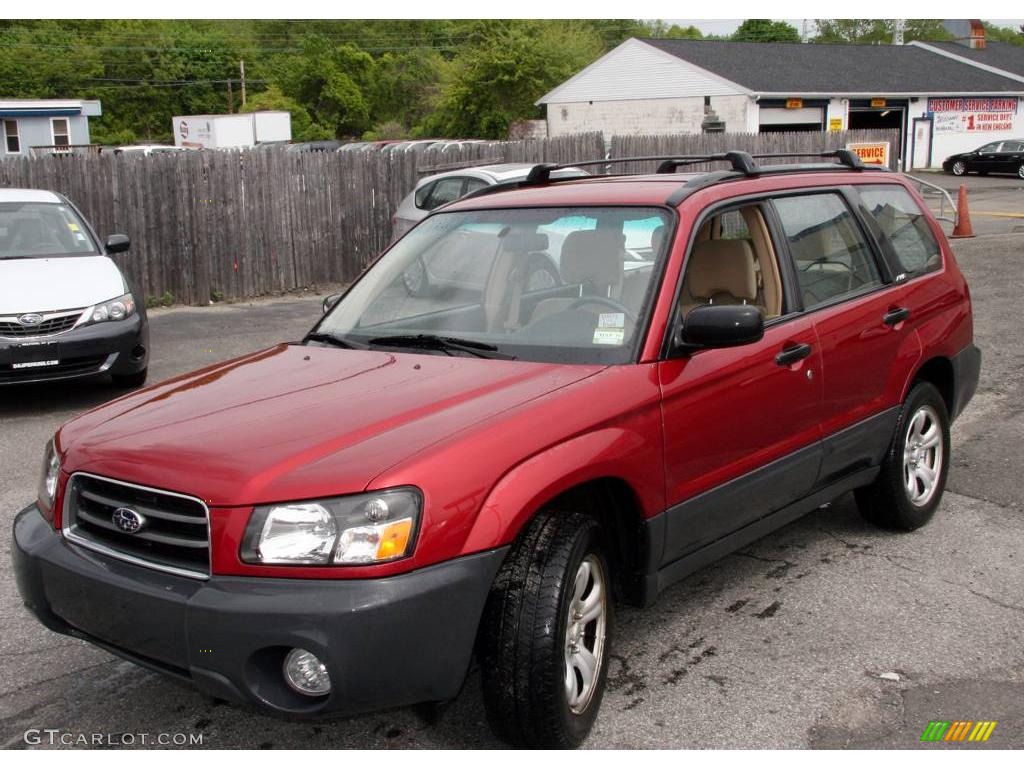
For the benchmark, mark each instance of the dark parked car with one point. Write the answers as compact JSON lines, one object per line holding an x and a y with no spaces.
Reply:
{"x":997,"y":157}
{"x":66,"y":311}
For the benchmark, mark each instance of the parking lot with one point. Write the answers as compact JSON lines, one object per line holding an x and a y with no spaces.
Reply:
{"x":996,"y":202}
{"x":783,"y":644}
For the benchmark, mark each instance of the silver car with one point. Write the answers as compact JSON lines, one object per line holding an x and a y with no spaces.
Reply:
{"x":434,"y":191}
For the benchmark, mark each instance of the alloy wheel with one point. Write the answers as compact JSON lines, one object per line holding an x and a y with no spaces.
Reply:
{"x":959,"y":168}
{"x":585,"y":626}
{"x":922,"y":456}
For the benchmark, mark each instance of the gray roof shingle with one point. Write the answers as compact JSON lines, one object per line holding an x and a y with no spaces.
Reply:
{"x":824,"y":68}
{"x":1004,"y":56}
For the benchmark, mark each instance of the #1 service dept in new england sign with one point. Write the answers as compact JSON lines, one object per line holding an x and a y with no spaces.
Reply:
{"x":975,"y":115}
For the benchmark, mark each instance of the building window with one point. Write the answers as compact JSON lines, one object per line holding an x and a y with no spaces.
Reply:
{"x":61,"y":131}
{"x":12,"y":141}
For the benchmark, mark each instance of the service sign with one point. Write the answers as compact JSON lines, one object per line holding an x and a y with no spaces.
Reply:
{"x":973,"y":115}
{"x":872,"y":153}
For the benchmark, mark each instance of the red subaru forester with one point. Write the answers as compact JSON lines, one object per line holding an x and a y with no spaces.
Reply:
{"x":486,"y":465}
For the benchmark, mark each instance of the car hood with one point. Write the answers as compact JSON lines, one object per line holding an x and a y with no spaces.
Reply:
{"x":294,"y":422}
{"x":38,"y":284}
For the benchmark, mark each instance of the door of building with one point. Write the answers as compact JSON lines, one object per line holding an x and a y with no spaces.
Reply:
{"x":922,"y":150}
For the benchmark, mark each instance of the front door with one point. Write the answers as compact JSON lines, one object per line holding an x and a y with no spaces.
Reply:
{"x":922,"y":143}
{"x":741,"y":424}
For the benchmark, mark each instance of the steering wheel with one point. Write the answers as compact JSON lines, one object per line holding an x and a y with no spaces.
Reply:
{"x":606,"y":302}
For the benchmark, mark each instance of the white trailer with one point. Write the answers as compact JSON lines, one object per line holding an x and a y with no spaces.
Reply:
{"x":228,"y":131}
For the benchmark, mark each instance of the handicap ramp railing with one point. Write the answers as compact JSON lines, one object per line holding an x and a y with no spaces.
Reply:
{"x":947,"y":208}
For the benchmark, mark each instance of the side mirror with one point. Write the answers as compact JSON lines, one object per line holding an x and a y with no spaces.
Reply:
{"x":719,"y":325}
{"x":330,"y":301}
{"x":117,"y":243}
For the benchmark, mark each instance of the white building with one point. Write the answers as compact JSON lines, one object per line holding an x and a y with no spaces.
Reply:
{"x":943,"y":98}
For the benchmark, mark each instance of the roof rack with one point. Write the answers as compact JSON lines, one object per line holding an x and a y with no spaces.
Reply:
{"x":743,"y":165}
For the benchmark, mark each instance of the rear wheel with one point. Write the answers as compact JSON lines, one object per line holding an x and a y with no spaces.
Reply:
{"x":544,"y":639}
{"x":913,"y":476}
{"x":959,"y":168}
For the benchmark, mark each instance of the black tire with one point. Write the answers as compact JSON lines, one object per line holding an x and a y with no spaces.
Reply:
{"x":130,"y":380}
{"x":524,"y":635}
{"x":1020,"y":171}
{"x":887,"y":502}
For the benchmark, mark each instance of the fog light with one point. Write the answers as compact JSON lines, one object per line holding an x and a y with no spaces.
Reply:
{"x":305,"y":673}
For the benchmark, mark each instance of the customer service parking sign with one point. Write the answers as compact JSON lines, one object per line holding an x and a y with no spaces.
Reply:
{"x":973,"y":115}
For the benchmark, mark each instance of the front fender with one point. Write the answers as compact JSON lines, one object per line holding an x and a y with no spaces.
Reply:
{"x":618,"y":452}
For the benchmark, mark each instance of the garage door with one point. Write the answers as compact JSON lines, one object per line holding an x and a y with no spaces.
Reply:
{"x":774,"y":116}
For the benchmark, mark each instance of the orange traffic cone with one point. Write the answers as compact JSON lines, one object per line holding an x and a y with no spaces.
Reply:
{"x":963,"y":215}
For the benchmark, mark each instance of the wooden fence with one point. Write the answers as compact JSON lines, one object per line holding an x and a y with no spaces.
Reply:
{"x":754,"y":143}
{"x":235,"y":225}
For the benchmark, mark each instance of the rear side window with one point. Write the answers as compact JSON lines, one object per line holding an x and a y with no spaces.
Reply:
{"x":831,"y":256}
{"x":444,"y":191}
{"x":909,"y":243}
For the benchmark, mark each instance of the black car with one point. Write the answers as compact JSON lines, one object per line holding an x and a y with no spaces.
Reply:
{"x":997,"y":157}
{"x":66,"y":310}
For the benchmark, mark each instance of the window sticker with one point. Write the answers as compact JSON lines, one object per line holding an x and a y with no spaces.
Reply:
{"x":72,"y":226}
{"x":611,"y":320}
{"x":613,"y":336}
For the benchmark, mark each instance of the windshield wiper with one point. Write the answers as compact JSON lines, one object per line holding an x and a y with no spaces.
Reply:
{"x":443,"y":343}
{"x":334,"y":341}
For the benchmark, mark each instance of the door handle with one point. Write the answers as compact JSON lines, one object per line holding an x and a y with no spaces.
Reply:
{"x":897,"y":315}
{"x":793,"y":354}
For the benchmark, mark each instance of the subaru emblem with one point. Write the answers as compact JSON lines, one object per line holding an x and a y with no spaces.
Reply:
{"x":127,"y":520}
{"x":32,"y":318}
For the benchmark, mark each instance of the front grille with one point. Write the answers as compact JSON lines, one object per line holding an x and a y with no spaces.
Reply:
{"x":57,"y":322}
{"x":70,"y":366}
{"x":175,"y":536}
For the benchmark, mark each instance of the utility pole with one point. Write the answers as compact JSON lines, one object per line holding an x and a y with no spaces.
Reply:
{"x":231,"y":99}
{"x":241,"y":69}
{"x":898,"y":26}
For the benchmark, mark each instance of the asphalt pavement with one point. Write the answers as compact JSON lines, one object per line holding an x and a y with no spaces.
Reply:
{"x":828,"y":633}
{"x":996,"y":202}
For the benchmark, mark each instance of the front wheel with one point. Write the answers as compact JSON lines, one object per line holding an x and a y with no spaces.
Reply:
{"x":544,"y":639}
{"x":1020,"y":170}
{"x":909,"y":487}
{"x":959,"y":168}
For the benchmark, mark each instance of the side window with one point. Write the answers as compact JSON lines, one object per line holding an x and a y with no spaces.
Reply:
{"x":445,"y":191}
{"x":1013,"y":146}
{"x":831,"y":256}
{"x":423,"y":194}
{"x":736,"y":263}
{"x":61,"y":132}
{"x":909,"y":243}
{"x":472,"y":185}
{"x":12,"y":140}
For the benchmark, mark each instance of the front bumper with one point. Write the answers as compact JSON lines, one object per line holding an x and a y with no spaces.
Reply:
{"x":119,"y":347}
{"x":386,"y":642}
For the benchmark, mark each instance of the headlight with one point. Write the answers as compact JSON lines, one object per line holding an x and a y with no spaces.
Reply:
{"x":349,"y":530}
{"x":115,"y":309}
{"x":48,"y":479}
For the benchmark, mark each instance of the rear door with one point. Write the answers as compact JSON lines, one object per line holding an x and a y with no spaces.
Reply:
{"x":1011,"y":157}
{"x":856,"y":310}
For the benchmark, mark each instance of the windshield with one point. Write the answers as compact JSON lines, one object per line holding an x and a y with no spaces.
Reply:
{"x":42,"y":229}
{"x":545,"y":284}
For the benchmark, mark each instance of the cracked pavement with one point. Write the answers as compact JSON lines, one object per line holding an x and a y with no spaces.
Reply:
{"x":779,"y":645}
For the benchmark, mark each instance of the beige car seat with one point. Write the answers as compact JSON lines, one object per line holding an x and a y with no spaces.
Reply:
{"x":720,"y":272}
{"x":593,"y":258}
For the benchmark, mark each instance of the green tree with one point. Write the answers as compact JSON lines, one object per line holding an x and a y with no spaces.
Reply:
{"x":505,"y":68}
{"x":303,"y":127}
{"x":1005,"y":34}
{"x":878,"y":31}
{"x":766,"y":31}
